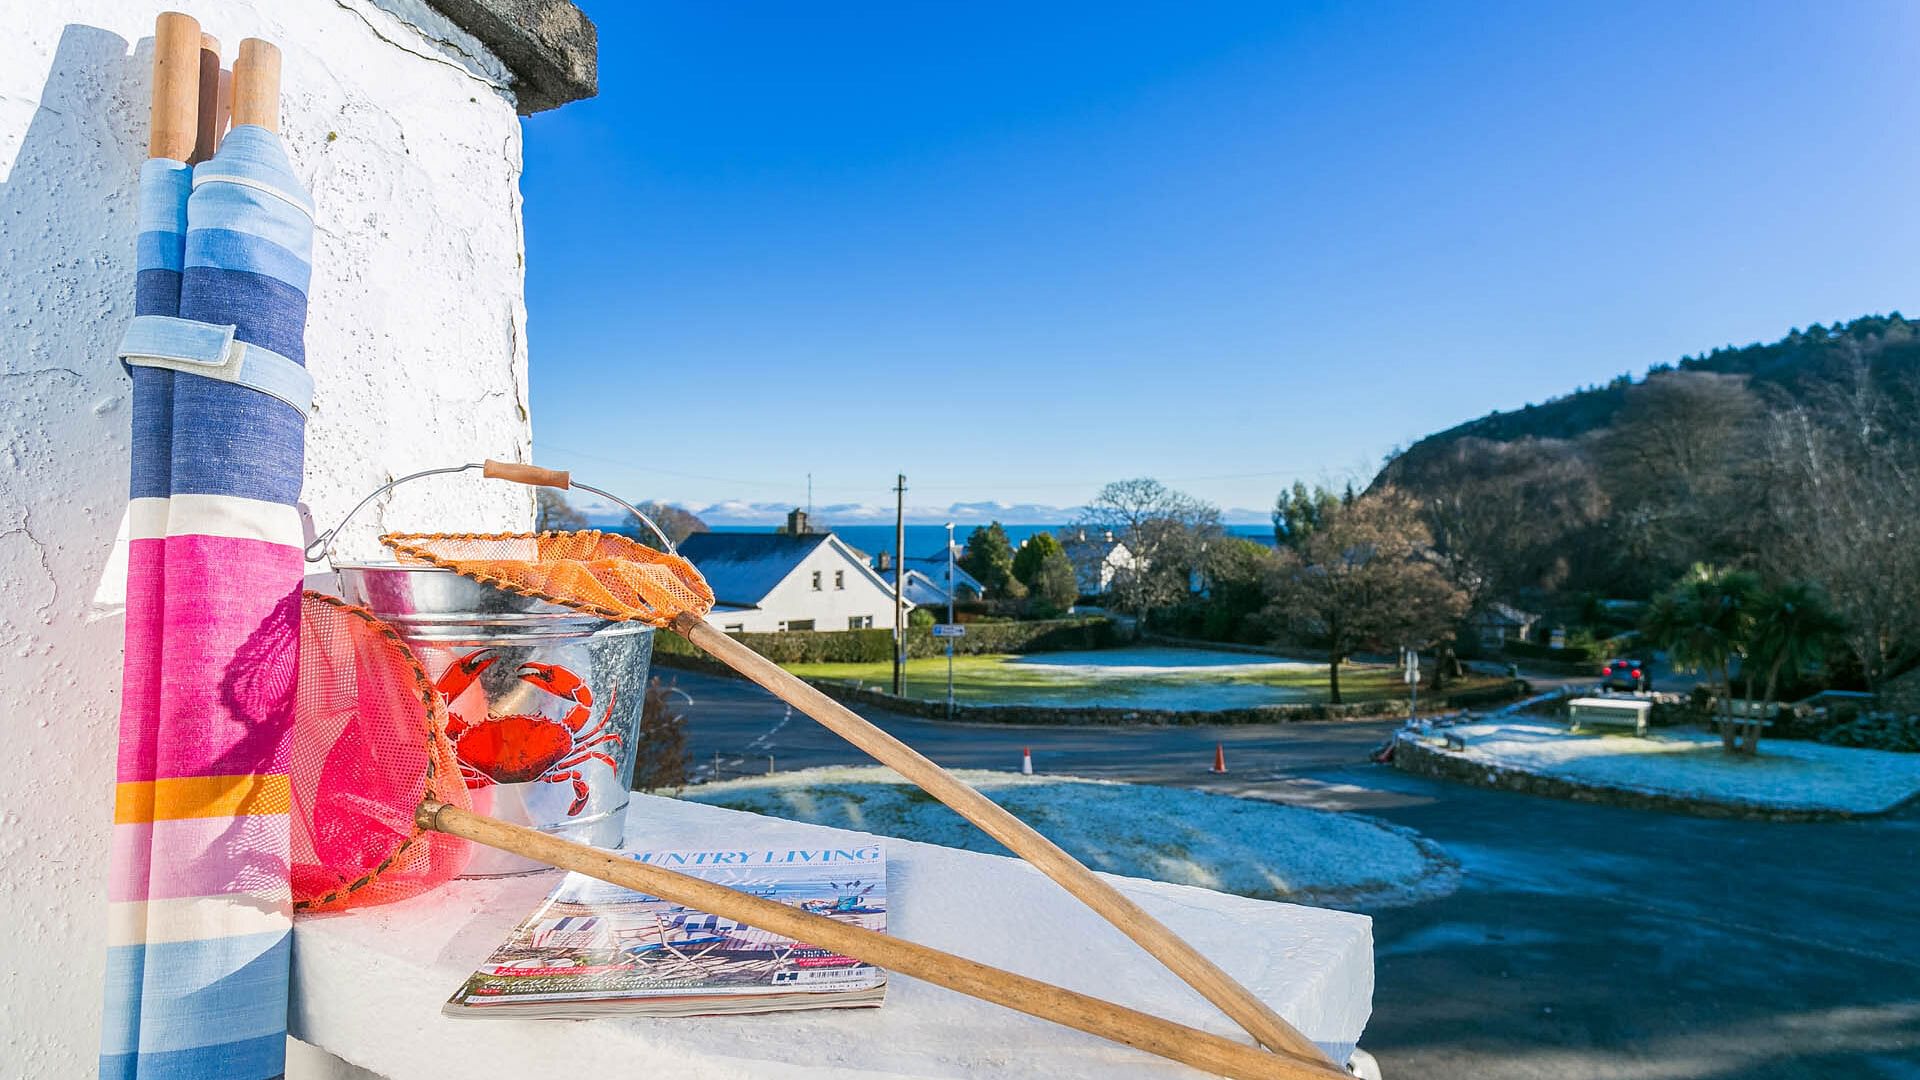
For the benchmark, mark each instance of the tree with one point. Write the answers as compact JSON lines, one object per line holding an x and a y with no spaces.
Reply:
{"x":678,"y":524}
{"x":1792,"y":627}
{"x":1237,"y":572}
{"x":660,"y":754}
{"x":1843,"y":483}
{"x":989,"y":558}
{"x":1166,"y":533}
{"x":1055,"y":586}
{"x":1299,"y":511}
{"x":1705,"y":622}
{"x":1033,"y":554}
{"x":1678,"y":468}
{"x":553,"y":513}
{"x":1364,"y":577}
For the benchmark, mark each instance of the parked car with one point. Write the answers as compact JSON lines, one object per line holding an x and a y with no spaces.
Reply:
{"x":1625,"y":674}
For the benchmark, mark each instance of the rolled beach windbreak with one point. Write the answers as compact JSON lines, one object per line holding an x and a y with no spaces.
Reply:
{"x":197,"y":978}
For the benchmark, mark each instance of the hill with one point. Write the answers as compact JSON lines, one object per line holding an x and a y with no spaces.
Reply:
{"x":1796,"y":367}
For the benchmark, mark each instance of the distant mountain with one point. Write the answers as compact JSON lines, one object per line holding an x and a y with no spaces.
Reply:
{"x":1792,"y":366}
{"x":736,"y":512}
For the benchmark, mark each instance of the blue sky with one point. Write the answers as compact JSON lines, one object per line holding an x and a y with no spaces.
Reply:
{"x":1018,"y":250}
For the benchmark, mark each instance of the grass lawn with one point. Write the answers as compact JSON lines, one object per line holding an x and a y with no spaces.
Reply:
{"x":1145,"y":678}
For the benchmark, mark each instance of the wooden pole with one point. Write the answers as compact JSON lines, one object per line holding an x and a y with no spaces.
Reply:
{"x":212,"y":121}
{"x":1200,"y":1049}
{"x":1149,"y":933}
{"x":256,"y":85}
{"x":174,"y":119}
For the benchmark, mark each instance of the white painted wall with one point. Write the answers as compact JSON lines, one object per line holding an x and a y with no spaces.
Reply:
{"x":416,"y":339}
{"x":829,"y":608}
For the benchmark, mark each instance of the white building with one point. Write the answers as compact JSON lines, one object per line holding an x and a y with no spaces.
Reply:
{"x":766,"y":582}
{"x":928,"y":580}
{"x":401,"y":122}
{"x":1097,"y":560}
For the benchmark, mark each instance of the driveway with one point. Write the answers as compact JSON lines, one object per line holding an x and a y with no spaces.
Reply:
{"x":1585,"y":943}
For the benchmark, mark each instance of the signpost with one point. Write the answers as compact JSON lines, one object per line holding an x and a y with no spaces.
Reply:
{"x":1412,"y":675}
{"x":949,"y":629}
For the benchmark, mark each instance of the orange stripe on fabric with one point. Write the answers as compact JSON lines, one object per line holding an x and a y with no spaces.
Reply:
{"x":200,"y":797}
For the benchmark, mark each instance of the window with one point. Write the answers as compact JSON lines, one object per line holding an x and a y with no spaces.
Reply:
{"x":859,"y":622}
{"x":816,"y":581}
{"x":736,"y":628}
{"x":797,"y":624}
{"x":839,"y":579}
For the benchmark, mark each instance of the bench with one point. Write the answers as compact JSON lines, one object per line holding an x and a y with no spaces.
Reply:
{"x":1594,"y":712}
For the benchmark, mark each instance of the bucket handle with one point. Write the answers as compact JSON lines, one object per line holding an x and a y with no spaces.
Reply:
{"x":321,"y":549}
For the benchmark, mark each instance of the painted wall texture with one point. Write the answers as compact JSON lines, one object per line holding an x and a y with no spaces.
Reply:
{"x":400,"y":126}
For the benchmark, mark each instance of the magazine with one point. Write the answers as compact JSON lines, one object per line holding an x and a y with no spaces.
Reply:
{"x":594,"y":949}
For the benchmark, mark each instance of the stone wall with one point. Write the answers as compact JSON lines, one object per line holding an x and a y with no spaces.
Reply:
{"x":404,"y":128}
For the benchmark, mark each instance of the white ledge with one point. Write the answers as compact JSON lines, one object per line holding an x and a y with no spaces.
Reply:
{"x":368,"y":984}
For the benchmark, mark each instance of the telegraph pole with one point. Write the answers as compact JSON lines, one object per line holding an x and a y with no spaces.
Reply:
{"x":899,"y":579}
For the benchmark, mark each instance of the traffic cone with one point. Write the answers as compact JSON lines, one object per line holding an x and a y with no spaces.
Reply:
{"x":1219,"y":758}
{"x":1026,"y":761}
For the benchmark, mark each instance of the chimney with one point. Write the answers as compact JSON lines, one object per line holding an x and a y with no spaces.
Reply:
{"x":883,"y":562}
{"x":797,"y":522}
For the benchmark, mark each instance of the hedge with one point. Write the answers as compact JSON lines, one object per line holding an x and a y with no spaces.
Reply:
{"x":1572,"y":654}
{"x":876,"y":646}
{"x":1122,"y":715}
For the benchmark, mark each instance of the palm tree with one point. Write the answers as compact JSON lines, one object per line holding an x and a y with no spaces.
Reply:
{"x":1793,"y":626}
{"x":1705,"y":622}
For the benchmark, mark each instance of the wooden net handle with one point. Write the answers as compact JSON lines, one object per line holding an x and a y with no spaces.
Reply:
{"x":174,"y":120}
{"x":256,"y":85}
{"x":1180,"y":957}
{"x":530,"y":475}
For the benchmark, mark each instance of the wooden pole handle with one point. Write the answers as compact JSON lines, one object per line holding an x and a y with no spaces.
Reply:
{"x":1191,"y":1046}
{"x":256,"y":85}
{"x":1149,"y":933}
{"x":530,"y":475}
{"x":174,"y":119}
{"x":212,"y":119}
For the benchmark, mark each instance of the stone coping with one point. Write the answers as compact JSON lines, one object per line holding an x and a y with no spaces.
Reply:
{"x":368,"y":984}
{"x":1412,"y":754}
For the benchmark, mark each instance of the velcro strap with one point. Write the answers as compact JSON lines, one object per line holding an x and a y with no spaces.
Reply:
{"x":211,"y":352}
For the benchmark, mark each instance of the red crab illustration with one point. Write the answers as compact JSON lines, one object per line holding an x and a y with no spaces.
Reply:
{"x":519,"y":748}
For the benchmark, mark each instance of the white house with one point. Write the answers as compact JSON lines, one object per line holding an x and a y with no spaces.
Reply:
{"x":927,"y":578}
{"x":765,"y":582}
{"x":1097,"y":560}
{"x":1499,"y":623}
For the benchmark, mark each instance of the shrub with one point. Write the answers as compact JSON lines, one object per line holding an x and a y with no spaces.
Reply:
{"x":1877,"y":731}
{"x":1572,"y":654}
{"x":876,"y":646}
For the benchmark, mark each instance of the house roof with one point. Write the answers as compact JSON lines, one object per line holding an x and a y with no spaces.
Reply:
{"x":1498,"y":613}
{"x":742,"y":568}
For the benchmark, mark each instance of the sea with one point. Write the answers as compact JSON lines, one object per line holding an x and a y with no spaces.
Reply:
{"x":925,"y":540}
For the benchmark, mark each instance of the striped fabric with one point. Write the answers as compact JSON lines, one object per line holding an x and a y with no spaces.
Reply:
{"x":199,"y":922}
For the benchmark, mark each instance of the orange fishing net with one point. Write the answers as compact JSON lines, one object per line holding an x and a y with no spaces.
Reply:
{"x":608,"y":575}
{"x":369,"y":745}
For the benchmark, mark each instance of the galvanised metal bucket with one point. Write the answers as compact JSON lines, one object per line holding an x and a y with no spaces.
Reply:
{"x":544,"y":701}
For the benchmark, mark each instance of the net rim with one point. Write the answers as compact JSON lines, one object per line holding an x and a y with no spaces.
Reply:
{"x":401,"y":544}
{"x":423,"y":686}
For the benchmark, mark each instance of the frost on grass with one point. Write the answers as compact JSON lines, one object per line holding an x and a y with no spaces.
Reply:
{"x":1254,"y":848}
{"x":1787,"y":775}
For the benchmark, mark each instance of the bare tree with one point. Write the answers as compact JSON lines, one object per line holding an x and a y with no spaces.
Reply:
{"x":1679,"y":464}
{"x":1366,"y":578}
{"x":552,"y":512}
{"x":1844,"y":465}
{"x":1166,"y":533}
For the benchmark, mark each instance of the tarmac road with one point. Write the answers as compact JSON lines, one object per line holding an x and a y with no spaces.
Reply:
{"x":1585,"y":943}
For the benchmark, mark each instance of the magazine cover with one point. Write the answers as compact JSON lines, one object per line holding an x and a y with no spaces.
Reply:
{"x":593,"y":949}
